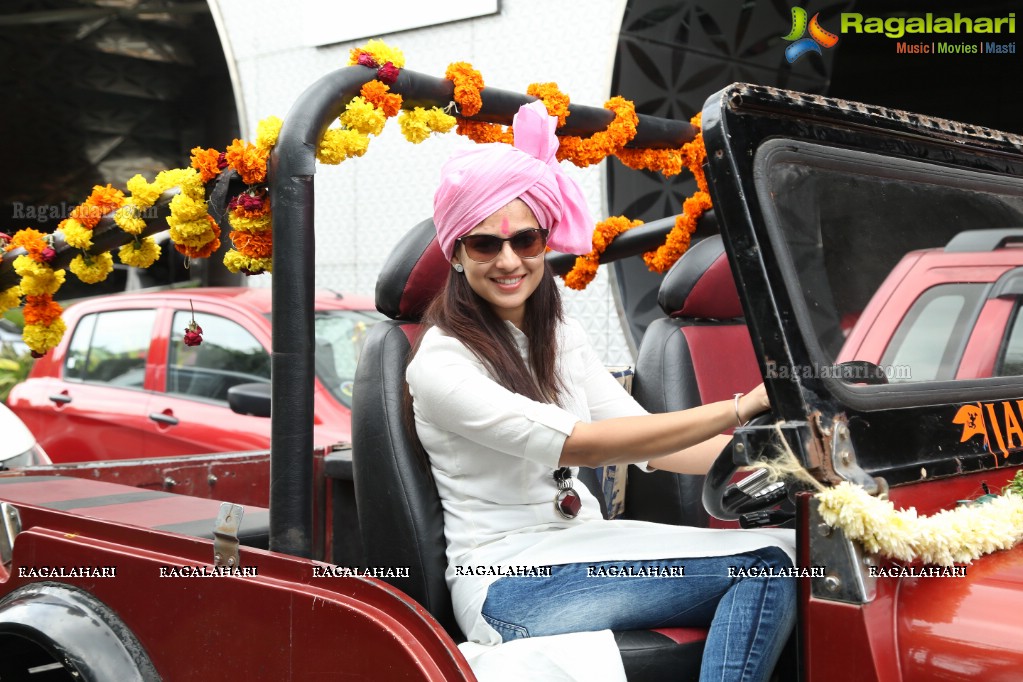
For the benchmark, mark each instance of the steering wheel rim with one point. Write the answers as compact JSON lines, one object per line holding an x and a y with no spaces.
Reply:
{"x":718,"y":478}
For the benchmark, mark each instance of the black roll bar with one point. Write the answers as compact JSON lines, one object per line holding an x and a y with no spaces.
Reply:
{"x":292,"y":165}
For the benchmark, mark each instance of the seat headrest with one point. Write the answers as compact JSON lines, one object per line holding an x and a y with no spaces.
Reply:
{"x":700,"y":284}
{"x":413,"y":274}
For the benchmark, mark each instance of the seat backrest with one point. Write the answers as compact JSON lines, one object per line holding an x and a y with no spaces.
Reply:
{"x":700,"y":353}
{"x":400,"y":516}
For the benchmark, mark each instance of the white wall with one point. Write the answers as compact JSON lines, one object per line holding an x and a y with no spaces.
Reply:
{"x":365,"y":205}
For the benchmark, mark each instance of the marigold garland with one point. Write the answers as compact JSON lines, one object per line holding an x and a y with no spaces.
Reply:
{"x":585,"y":268}
{"x":677,"y":243}
{"x":468,"y":83}
{"x":482,"y":132}
{"x":553,"y":98}
{"x":196,"y":234}
{"x":595,"y":148}
{"x":955,"y":536}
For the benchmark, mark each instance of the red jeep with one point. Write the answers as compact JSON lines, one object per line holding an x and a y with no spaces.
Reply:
{"x":816,"y":201}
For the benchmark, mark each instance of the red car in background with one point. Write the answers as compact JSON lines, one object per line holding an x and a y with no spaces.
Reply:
{"x":947,"y":313}
{"x":122,"y":382}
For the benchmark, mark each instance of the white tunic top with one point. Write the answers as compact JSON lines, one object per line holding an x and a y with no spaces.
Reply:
{"x":493,"y":453}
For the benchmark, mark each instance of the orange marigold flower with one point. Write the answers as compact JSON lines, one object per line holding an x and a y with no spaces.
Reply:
{"x":33,"y":241}
{"x":253,"y":244}
{"x":668,"y":162}
{"x":106,"y":198}
{"x":248,"y":160}
{"x":468,"y":83}
{"x":482,"y":132}
{"x":554,"y":99}
{"x":207,"y":162}
{"x":41,"y":310}
{"x":379,"y":95}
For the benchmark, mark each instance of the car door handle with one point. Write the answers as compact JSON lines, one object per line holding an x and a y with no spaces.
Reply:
{"x":60,"y":399}
{"x":162,"y":418}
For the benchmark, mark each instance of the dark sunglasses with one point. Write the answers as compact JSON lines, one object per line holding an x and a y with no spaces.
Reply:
{"x":484,"y":248}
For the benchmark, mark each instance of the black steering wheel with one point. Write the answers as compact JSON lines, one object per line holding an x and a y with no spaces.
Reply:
{"x":747,"y":500}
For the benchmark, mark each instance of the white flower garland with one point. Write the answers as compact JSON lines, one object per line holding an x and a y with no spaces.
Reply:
{"x":952,"y":536}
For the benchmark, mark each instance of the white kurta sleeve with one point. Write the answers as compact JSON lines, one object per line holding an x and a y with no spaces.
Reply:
{"x":452,"y":391}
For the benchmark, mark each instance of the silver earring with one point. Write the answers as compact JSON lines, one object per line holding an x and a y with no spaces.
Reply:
{"x":458,"y":267}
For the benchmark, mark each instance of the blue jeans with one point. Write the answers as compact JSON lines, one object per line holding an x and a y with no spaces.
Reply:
{"x":750,"y":618}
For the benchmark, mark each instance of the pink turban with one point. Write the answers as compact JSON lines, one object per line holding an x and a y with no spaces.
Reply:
{"x":477,"y":182}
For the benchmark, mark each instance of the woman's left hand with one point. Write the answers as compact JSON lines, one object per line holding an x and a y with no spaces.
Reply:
{"x":753,"y":403}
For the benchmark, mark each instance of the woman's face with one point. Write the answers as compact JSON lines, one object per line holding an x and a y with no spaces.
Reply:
{"x":507,"y":281}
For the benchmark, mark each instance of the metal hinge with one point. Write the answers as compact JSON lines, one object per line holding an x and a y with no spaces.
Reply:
{"x":225,"y":535}
{"x":10,"y":526}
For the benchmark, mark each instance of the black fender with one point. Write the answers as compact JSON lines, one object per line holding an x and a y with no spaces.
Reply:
{"x":45,"y":623}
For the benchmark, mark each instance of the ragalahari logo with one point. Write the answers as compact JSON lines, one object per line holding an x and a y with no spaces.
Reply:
{"x":819,"y":37}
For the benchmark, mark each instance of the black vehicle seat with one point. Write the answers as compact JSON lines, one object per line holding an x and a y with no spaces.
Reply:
{"x":700,"y":353}
{"x":400,"y":515}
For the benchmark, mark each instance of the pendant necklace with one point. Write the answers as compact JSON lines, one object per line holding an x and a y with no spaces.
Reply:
{"x":567,"y":502}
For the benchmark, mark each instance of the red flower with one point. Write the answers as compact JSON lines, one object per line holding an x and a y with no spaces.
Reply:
{"x":388,"y":73}
{"x":366,"y":59}
{"x":47,"y":254}
{"x":222,"y":161}
{"x":193,"y":332}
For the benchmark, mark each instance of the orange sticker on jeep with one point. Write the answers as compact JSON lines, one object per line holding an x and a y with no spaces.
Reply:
{"x":998,"y":421}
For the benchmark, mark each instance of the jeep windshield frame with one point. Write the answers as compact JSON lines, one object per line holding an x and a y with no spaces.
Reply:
{"x":763,"y":141}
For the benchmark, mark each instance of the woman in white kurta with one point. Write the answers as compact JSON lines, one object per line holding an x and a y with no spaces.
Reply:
{"x":509,"y":399}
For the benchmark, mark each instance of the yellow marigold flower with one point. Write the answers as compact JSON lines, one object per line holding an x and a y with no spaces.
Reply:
{"x":76,"y":234}
{"x":140,"y":254}
{"x":267,"y":131}
{"x":37,"y":278}
{"x":362,"y":116}
{"x":195,"y":233}
{"x":188,"y":179}
{"x":92,"y":268}
{"x":237,"y":262}
{"x":41,"y":339}
{"x":143,"y":194}
{"x":184,"y":208}
{"x":258,"y":224}
{"x":10,"y":298}
{"x":417,"y":124}
{"x":338,"y":145}
{"x":129,"y":220}
{"x":380,"y":52}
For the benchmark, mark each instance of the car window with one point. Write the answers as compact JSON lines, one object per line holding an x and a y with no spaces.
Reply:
{"x":111,"y":348}
{"x":932,"y":336}
{"x":1012,"y":357}
{"x":228,"y":355}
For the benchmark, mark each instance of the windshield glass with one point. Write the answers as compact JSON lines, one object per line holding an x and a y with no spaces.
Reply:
{"x":339,"y":338}
{"x":911,"y":269}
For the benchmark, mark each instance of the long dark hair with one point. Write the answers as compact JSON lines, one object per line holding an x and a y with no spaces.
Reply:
{"x":464,"y":315}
